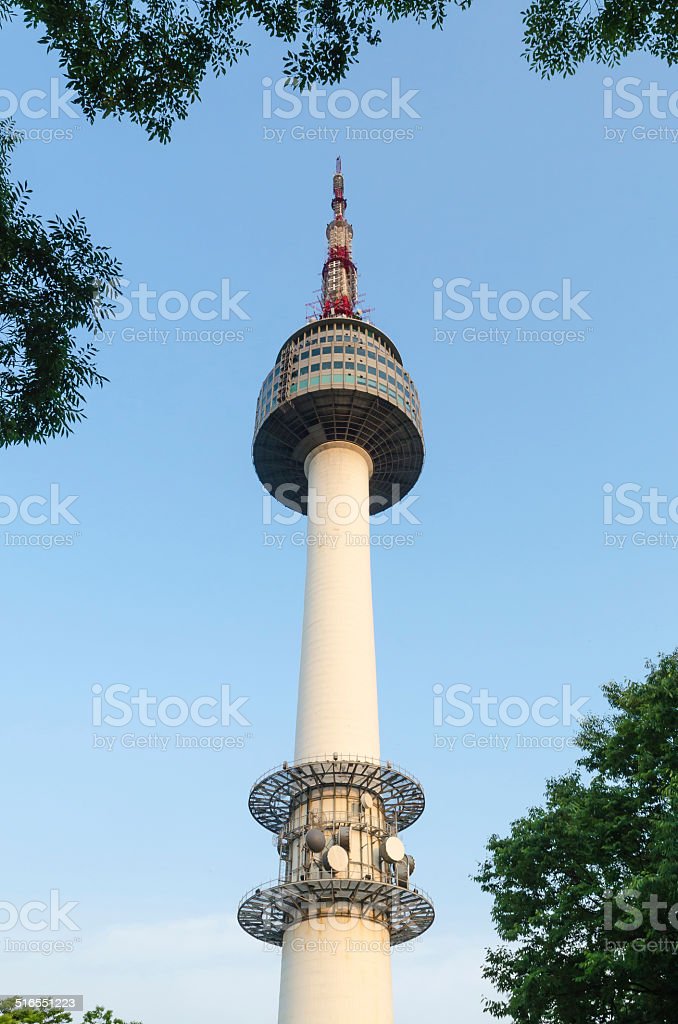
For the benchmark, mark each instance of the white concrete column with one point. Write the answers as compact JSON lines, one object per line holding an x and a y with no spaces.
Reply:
{"x":336,"y":971}
{"x":337,"y":709}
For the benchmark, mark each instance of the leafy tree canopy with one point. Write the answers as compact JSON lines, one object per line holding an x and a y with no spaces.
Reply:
{"x":583,"y":887}
{"x":562,"y":34}
{"x":50,"y":278}
{"x":148,"y":59}
{"x":11,"y":1014}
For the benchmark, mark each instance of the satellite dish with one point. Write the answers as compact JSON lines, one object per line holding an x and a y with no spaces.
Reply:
{"x":344,"y":836}
{"x":367,"y":801}
{"x":336,"y":858}
{"x":315,"y":840}
{"x":392,"y":850}
{"x":404,"y":869}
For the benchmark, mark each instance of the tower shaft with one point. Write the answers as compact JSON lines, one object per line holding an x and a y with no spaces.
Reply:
{"x":337,"y":707}
{"x":337,"y":970}
{"x":337,"y":963}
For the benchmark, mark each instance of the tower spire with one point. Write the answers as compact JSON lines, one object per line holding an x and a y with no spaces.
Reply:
{"x":340,"y":275}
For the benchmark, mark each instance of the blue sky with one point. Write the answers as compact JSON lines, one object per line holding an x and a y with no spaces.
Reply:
{"x":166,"y":583}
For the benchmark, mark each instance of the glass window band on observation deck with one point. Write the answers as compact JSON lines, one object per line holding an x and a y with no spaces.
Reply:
{"x":373,"y":348}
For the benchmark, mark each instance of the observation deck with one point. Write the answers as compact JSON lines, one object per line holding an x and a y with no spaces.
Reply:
{"x":338,"y":379}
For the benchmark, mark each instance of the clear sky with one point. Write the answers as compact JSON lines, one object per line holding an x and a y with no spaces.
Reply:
{"x":166,"y":582}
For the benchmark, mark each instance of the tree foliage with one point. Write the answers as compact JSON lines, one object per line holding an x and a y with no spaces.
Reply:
{"x":574,"y":883}
{"x":101,"y":1016}
{"x":50,"y":282}
{"x":562,"y":34}
{"x":11,"y":1014}
{"x":148,"y":59}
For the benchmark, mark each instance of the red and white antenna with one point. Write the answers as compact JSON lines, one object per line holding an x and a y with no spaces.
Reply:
{"x":340,"y":274}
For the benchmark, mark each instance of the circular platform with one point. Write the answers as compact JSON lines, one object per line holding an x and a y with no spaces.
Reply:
{"x":266,"y":912}
{"x":274,"y":794}
{"x":338,"y":380}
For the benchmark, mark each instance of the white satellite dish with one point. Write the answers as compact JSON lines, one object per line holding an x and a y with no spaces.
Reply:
{"x":392,"y":850}
{"x":336,"y":858}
